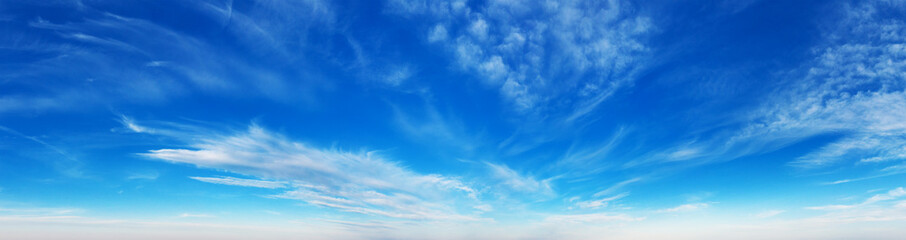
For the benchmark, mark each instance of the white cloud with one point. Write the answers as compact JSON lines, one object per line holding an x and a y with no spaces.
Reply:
{"x":769,"y":213}
{"x":593,"y":218}
{"x":892,"y":194}
{"x":131,"y":125}
{"x":840,"y":181}
{"x":191,"y":215}
{"x":484,"y":208}
{"x":901,"y":204}
{"x":873,"y":200}
{"x":438,"y":33}
{"x":594,"y":204}
{"x":830,"y":207}
{"x":99,"y":58}
{"x":362,"y":225}
{"x":429,"y":125}
{"x":686,"y":208}
{"x":479,"y":29}
{"x":592,"y":159}
{"x":518,"y":182}
{"x":618,"y":186}
{"x":856,"y":86}
{"x":398,"y":75}
{"x":41,"y":211}
{"x":353,"y":182}
{"x":495,"y":70}
{"x":683,"y":154}
{"x":68,"y":165}
{"x":143,"y":176}
{"x":853,"y":89}
{"x":242,"y":182}
{"x":876,"y":209}
{"x":536,"y":52}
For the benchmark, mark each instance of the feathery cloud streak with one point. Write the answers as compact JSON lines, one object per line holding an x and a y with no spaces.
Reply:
{"x":353,"y":182}
{"x":96,"y":57}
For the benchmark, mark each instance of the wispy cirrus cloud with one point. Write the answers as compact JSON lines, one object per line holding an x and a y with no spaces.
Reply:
{"x":242,"y":182}
{"x":685,"y":208}
{"x":552,"y":63}
{"x":581,"y":161}
{"x":431,"y":126}
{"x":855,"y":87}
{"x":593,"y":218}
{"x":877,"y":208}
{"x":599,"y":203}
{"x":95,"y":56}
{"x":769,"y":213}
{"x":130,"y":124}
{"x":149,"y":175}
{"x":889,"y":195}
{"x":852,"y":89}
{"x":352,"y":182}
{"x":195,"y":215}
{"x":41,"y":211}
{"x":519,"y":182}
{"x":618,"y":186}
{"x":68,"y":165}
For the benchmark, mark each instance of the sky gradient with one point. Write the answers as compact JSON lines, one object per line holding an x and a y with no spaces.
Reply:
{"x":424,"y":119}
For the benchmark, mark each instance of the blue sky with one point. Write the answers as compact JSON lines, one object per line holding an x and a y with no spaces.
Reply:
{"x":409,"y":119}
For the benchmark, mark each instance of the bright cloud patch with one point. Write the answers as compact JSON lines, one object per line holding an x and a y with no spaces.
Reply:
{"x":353,"y":182}
{"x":538,"y":53}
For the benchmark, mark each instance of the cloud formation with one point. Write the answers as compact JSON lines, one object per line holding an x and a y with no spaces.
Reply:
{"x":855,"y":87}
{"x":877,"y":208}
{"x":539,"y":54}
{"x":93,"y":56}
{"x":241,"y":182}
{"x":686,"y":208}
{"x":593,"y":218}
{"x":353,"y":182}
{"x":853,"y":90}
